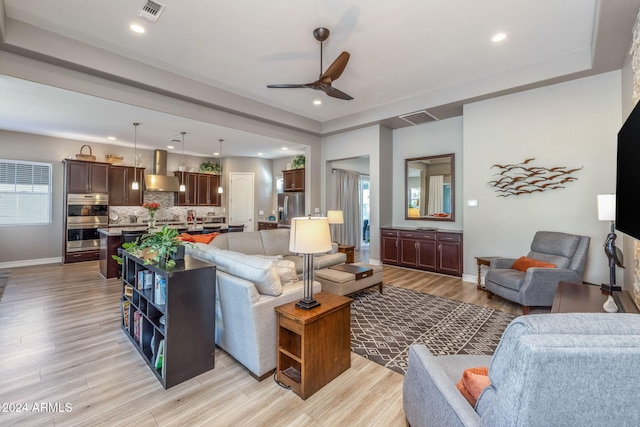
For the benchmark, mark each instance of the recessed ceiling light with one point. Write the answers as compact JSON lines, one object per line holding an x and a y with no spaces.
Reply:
{"x":284,"y":148}
{"x":216,"y":154}
{"x":317,"y":102}
{"x":111,"y":138}
{"x":498,"y":37}
{"x":171,"y":147}
{"x":260,"y":154}
{"x":137,"y":28}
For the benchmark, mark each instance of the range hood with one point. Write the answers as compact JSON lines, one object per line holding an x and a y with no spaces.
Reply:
{"x":158,"y":180}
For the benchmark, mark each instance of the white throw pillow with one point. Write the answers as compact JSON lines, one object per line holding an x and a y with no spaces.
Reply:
{"x":261,"y":272}
{"x":287,"y":271}
{"x":202,"y":251}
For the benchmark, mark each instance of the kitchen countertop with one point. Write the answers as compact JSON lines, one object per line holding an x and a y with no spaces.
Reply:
{"x":117,"y":231}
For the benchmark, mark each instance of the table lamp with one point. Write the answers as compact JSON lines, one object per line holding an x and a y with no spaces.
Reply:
{"x":334,"y":217}
{"x":309,"y":236}
{"x":607,"y":212}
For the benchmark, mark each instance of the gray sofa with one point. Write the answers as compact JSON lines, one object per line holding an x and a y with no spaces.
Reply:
{"x":548,"y":370}
{"x":274,"y":243}
{"x":255,"y":273}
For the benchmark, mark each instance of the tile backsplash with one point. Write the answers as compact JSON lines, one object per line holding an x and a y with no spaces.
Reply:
{"x":119,"y":215}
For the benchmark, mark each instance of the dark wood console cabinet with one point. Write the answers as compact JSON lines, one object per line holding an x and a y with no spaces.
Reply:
{"x":433,"y":250}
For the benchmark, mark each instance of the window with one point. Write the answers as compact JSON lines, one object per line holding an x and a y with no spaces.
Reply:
{"x":25,"y":192}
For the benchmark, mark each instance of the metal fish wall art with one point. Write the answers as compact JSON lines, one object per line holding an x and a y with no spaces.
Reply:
{"x":523,"y":178}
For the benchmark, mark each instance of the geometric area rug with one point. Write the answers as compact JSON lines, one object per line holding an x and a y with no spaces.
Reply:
{"x":383,"y":326}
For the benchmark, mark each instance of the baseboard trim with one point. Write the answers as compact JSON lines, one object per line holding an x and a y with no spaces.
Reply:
{"x":29,"y":262}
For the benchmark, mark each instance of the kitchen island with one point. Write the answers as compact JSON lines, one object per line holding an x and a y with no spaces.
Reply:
{"x":111,"y":240}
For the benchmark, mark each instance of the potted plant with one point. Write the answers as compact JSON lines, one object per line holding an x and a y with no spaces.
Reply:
{"x":208,"y":167}
{"x":298,"y":162}
{"x":163,"y":246}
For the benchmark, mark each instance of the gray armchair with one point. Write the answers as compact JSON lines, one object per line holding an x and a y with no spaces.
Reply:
{"x":568,"y":369}
{"x":537,"y":286}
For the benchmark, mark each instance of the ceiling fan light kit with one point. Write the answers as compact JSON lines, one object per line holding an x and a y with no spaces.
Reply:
{"x":324,"y":82}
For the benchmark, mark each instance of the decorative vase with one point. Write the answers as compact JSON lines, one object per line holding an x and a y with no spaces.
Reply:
{"x":610,"y":305}
{"x":152,"y":220}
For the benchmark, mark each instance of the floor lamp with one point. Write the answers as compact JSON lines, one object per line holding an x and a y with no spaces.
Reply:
{"x":334,"y":217}
{"x":607,"y":212}
{"x":308,"y":236}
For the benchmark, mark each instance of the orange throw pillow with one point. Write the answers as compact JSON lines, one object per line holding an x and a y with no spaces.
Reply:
{"x":473,"y":381}
{"x":185,"y":237}
{"x":198,"y":238}
{"x":523,"y":263}
{"x":204,"y":238}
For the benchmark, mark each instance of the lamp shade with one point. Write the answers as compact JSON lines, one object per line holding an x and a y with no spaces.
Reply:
{"x":607,"y":207}
{"x":335,"y":217}
{"x":310,"y":235}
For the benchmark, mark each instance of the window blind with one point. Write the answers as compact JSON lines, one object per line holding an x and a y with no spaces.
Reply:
{"x":25,"y":192}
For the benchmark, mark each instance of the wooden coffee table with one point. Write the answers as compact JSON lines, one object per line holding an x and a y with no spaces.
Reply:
{"x":582,"y":298}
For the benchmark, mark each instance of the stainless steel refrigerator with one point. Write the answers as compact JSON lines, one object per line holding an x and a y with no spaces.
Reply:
{"x":290,"y":205}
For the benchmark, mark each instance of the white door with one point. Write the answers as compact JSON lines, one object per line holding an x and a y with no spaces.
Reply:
{"x":241,"y":199}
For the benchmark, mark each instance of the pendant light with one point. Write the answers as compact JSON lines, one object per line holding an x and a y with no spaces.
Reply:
{"x":220,"y":190}
{"x":183,"y":188}
{"x":134,"y":184}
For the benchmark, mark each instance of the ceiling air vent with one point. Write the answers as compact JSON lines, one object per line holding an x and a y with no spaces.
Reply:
{"x":151,"y":10}
{"x":418,"y":117}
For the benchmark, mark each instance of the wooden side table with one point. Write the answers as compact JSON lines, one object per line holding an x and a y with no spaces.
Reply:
{"x":583,"y":298}
{"x":482,"y":260}
{"x":314,"y":345}
{"x":350,"y":250}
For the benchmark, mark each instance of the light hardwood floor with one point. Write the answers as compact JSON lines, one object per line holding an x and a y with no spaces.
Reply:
{"x":61,"y":344}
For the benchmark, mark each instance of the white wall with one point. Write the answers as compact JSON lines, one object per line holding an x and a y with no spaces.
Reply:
{"x":429,"y":139}
{"x":572,"y":124}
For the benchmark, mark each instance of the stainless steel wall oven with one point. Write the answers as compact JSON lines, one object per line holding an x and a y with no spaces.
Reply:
{"x":85,"y":214}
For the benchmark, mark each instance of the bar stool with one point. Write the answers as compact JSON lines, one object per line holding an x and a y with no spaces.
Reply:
{"x":211,"y":229}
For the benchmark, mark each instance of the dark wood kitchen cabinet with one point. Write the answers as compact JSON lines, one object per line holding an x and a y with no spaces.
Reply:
{"x":189,"y":197}
{"x":432,"y":250}
{"x":208,"y":189}
{"x":201,"y":189}
{"x":293,"y":180}
{"x":86,"y":177}
{"x":120,"y":192}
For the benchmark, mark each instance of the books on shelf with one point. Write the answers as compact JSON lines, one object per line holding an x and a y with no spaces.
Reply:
{"x":128,"y":291}
{"x":145,"y":279}
{"x":160,"y":290}
{"x":126,"y":314}
{"x":137,"y":326}
{"x":160,"y":356}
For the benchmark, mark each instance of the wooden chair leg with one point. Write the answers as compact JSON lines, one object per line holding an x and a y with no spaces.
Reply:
{"x":526,"y":309}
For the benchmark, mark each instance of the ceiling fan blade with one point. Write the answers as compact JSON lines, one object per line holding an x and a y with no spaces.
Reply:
{"x":336,"y":93}
{"x":285,"y":86}
{"x":336,"y":68}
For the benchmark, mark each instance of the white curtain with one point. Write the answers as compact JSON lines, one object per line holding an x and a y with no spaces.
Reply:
{"x":348,"y":201}
{"x":435,"y":194}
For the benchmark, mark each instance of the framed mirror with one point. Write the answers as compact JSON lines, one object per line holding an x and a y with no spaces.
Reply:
{"x":430,"y":188}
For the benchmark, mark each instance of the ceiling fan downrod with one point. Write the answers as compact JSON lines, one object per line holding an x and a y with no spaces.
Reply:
{"x":321,"y":34}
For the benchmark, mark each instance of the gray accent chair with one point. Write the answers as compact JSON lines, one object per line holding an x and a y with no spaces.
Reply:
{"x":573,"y":369}
{"x":537,"y":286}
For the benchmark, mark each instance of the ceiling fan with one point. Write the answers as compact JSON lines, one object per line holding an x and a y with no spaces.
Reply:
{"x":333,"y":72}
